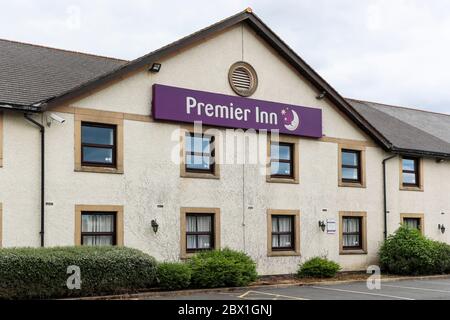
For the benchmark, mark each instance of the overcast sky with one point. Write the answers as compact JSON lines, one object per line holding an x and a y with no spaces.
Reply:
{"x":391,"y":51}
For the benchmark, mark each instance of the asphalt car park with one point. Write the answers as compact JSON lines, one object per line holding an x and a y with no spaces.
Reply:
{"x":417,"y":289}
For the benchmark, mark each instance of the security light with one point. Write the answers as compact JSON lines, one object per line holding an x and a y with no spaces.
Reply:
{"x":321,"y":96}
{"x":442,"y":228}
{"x":156,"y":67}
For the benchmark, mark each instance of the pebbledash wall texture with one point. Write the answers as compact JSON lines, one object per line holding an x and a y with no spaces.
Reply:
{"x":273,"y":213}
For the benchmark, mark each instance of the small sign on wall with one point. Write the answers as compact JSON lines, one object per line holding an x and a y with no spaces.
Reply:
{"x":331,"y":226}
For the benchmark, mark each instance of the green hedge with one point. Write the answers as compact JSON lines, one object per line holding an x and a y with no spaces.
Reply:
{"x":174,"y":276}
{"x":318,"y":267}
{"x":408,"y":252}
{"x":222,"y":268}
{"x":42,"y":273}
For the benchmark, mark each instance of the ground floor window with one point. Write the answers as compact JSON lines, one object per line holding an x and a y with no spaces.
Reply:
{"x":200,"y":230}
{"x":352,"y":233}
{"x":98,"y":229}
{"x":283,"y":232}
{"x":353,"y":238}
{"x":98,"y":225}
{"x":413,"y":221}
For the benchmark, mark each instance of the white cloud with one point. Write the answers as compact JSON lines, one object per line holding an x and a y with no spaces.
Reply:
{"x":393,"y":51}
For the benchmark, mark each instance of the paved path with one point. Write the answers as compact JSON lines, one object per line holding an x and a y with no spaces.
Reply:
{"x":435,"y":289}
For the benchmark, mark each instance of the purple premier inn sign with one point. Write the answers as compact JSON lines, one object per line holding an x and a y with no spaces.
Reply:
{"x":184,"y":105}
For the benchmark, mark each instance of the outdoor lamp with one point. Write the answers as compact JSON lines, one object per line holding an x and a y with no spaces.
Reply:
{"x":442,"y":228}
{"x":156,"y":67}
{"x":322,"y":225}
{"x":155,"y":226}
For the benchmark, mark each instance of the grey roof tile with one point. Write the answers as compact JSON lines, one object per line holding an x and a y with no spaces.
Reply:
{"x":408,"y":129}
{"x":31,"y":73}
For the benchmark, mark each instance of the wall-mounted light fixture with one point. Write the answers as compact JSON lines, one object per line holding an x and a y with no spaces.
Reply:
{"x":156,"y":67}
{"x":155,"y":226}
{"x":442,"y":228}
{"x":321,"y":96}
{"x":322,"y":225}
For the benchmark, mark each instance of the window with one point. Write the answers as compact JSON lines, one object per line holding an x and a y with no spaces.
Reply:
{"x":351,"y":165}
{"x":413,"y":221}
{"x":200,"y":230}
{"x":281,"y":160}
{"x":352,"y":233}
{"x":199,"y":153}
{"x":98,"y":144}
{"x":283,"y":232}
{"x":283,"y":165}
{"x":99,"y":225}
{"x":98,"y":229}
{"x":411,"y":174}
{"x":353,"y":239}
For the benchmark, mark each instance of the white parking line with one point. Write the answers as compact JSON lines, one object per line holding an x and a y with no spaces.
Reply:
{"x":415,"y":288}
{"x":274,"y":296}
{"x":361,"y":292}
{"x":443,"y":283}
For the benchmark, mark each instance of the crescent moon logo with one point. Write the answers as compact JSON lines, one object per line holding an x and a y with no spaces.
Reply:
{"x":293,"y":125}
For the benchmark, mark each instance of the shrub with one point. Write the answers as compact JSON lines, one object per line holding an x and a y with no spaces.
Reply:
{"x":174,"y":276}
{"x":222,"y":268}
{"x":408,"y":252}
{"x":318,"y":268}
{"x":42,"y":273}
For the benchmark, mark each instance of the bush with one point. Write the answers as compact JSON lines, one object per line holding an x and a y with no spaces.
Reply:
{"x":42,"y":273}
{"x":174,"y":276}
{"x":222,"y":268}
{"x":318,"y":268}
{"x":408,"y":252}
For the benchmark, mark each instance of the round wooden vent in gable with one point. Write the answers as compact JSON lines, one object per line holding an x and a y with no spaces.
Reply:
{"x":243,"y":79}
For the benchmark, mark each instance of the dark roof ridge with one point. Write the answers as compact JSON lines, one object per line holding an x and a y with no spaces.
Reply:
{"x":400,"y":107}
{"x":63,"y":50}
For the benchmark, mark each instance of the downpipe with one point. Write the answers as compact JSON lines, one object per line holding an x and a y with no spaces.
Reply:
{"x":385,"y":194}
{"x":42,"y":131}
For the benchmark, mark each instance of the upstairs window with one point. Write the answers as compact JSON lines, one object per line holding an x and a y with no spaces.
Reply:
{"x":410,"y":172}
{"x":200,"y":155}
{"x":351,"y":166}
{"x":281,"y":160}
{"x":98,"y":144}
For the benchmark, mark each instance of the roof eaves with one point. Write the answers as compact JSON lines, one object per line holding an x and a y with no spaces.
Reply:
{"x":16,"y":107}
